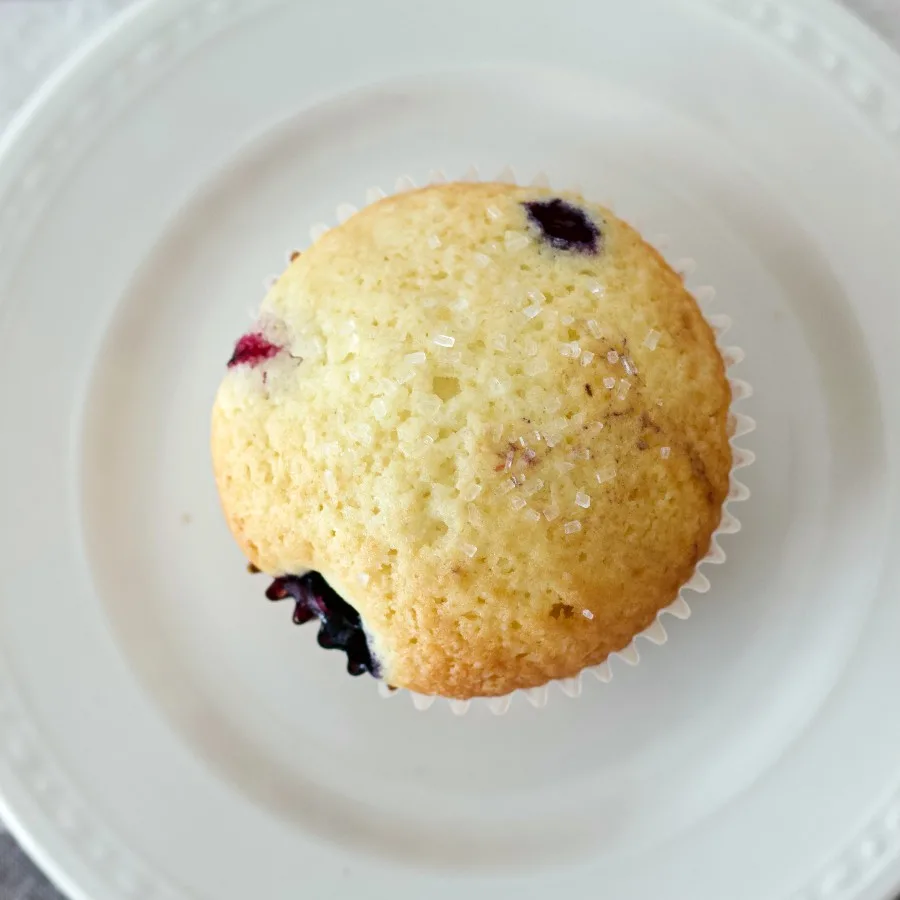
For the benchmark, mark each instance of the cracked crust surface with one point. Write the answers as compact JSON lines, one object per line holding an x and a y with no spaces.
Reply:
{"x":436,"y":488}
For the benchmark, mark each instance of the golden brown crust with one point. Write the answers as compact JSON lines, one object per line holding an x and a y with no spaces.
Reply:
{"x":386,"y":473}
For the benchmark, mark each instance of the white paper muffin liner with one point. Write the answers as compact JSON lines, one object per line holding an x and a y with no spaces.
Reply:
{"x":740,"y":425}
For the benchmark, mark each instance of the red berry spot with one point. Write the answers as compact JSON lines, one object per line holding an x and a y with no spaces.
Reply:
{"x":251,"y":350}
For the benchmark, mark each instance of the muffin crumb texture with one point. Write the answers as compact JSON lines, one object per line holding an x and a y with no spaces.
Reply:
{"x":493,"y":419}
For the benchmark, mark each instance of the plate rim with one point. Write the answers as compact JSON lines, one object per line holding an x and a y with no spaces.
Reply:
{"x":807,"y":29}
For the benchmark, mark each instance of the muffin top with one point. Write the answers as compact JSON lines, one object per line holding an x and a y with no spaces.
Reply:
{"x":494,"y":420}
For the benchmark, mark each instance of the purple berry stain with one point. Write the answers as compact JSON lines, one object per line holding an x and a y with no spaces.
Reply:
{"x":340,"y":624}
{"x":564,"y":226}
{"x":251,"y":350}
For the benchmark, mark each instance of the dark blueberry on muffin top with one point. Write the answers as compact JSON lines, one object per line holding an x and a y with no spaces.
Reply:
{"x":564,"y":226}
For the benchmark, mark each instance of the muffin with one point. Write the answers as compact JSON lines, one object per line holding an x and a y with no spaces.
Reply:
{"x":479,"y":433}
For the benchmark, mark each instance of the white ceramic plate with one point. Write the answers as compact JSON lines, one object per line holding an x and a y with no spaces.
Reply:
{"x":165,"y":734}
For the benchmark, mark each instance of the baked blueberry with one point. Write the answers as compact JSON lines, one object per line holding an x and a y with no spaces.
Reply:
{"x":251,"y":350}
{"x":340,"y":629}
{"x":564,"y":225}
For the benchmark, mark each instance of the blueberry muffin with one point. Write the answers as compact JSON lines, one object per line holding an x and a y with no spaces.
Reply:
{"x":479,"y":433}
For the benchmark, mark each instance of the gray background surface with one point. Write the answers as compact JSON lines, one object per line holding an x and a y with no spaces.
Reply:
{"x":35,"y":36}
